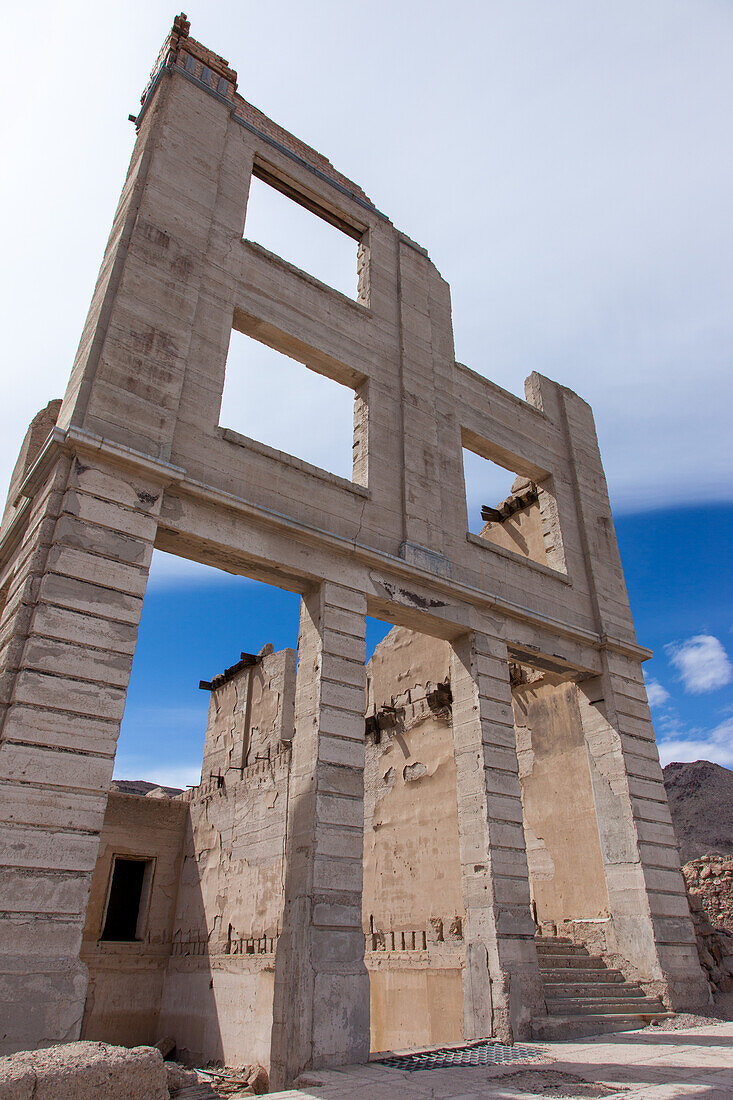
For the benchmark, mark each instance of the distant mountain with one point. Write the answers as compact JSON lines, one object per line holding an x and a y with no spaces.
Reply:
{"x":701,"y":803}
{"x":141,"y":786}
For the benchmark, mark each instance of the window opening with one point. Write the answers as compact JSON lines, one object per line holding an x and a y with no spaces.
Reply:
{"x":511,"y":511}
{"x":124,"y":906}
{"x":271,"y":398}
{"x":300,"y":233}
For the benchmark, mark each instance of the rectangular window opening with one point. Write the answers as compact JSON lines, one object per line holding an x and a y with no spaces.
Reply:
{"x":125,"y":905}
{"x":307,"y":235}
{"x":275,"y":400}
{"x":512,"y":511}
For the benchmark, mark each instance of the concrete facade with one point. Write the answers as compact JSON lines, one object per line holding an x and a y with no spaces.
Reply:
{"x":137,"y":459}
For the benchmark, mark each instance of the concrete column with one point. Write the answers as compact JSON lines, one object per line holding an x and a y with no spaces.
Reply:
{"x":70,"y":627}
{"x":431,"y":456}
{"x":321,"y":1009}
{"x":651,"y":920}
{"x":502,"y":988}
{"x":652,"y":927}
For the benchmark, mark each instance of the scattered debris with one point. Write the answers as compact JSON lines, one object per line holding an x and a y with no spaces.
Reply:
{"x":555,"y":1083}
{"x":166,"y":1046}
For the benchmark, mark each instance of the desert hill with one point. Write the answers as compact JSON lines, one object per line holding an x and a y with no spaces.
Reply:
{"x":141,"y":786}
{"x":700,"y":798}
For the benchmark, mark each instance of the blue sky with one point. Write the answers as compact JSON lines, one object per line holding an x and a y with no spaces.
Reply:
{"x":569,"y":168}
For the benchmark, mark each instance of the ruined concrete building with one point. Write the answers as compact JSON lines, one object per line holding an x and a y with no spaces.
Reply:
{"x":382,"y":840}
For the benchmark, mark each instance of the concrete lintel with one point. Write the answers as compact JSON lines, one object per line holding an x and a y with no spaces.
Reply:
{"x":397,"y":566}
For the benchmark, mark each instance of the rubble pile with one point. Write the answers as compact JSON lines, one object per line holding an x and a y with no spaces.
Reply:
{"x":710,"y":879}
{"x":714,"y":945}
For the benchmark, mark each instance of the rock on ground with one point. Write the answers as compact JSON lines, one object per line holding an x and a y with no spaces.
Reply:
{"x":84,"y":1071}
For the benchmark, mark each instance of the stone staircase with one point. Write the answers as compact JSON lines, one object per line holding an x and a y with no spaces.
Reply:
{"x":584,"y":996}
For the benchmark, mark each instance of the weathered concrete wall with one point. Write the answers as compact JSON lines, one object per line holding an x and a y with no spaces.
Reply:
{"x":217,"y":997}
{"x":249,"y":713}
{"x":567,"y":879}
{"x":126,"y":979}
{"x":38,"y":432}
{"x":412,"y":903}
{"x":411,"y":868}
{"x":520,"y":527}
{"x":416,"y":1002}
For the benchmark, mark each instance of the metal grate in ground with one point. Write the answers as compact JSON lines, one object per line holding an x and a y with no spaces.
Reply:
{"x":484,"y":1052}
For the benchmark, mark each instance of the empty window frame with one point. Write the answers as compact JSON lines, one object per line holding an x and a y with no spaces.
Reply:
{"x":127,"y":900}
{"x":276,"y":400}
{"x":313,"y":239}
{"x":512,"y":511}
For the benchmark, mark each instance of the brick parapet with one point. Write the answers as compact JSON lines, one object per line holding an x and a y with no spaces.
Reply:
{"x":183,"y":53}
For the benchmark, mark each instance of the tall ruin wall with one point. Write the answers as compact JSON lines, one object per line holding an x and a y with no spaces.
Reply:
{"x":138,"y":459}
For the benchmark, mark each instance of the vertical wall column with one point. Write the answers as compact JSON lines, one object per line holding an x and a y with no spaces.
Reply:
{"x":71,"y":618}
{"x":427,"y":361}
{"x":651,"y":918}
{"x":646,"y":891}
{"x":321,"y":1009}
{"x":502,"y":987}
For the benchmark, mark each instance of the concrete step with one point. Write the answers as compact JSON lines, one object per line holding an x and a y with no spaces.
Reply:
{"x":542,"y":941}
{"x":544,"y":949}
{"x":590,"y":962}
{"x":576,"y":1027}
{"x":580,"y":974}
{"x":635,"y":1005}
{"x":594,"y":991}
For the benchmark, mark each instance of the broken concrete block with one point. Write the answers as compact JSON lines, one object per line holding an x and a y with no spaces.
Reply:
{"x":84,"y":1071}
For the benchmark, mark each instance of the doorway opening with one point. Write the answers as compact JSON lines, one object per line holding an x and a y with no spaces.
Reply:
{"x":412,"y":901}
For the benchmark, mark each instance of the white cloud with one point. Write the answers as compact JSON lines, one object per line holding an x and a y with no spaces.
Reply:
{"x":715,"y":745}
{"x":170,"y":571}
{"x":558,"y":257}
{"x":656,"y":693}
{"x":702,"y":663}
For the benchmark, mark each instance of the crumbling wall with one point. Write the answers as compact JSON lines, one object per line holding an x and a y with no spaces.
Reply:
{"x":126,"y":979}
{"x":567,"y":878}
{"x":412,"y":901}
{"x":218,"y":992}
{"x":248,"y":708}
{"x":518,"y":525}
{"x":36,"y":435}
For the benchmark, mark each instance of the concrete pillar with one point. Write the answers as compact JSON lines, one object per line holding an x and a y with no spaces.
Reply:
{"x":651,"y":919}
{"x":502,"y":987}
{"x":650,"y":915}
{"x":321,"y":1009}
{"x":69,"y":630}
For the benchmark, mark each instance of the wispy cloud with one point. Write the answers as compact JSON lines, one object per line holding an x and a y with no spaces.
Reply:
{"x":656,"y":693}
{"x":702,"y":663}
{"x":715,"y":745}
{"x":170,"y":571}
